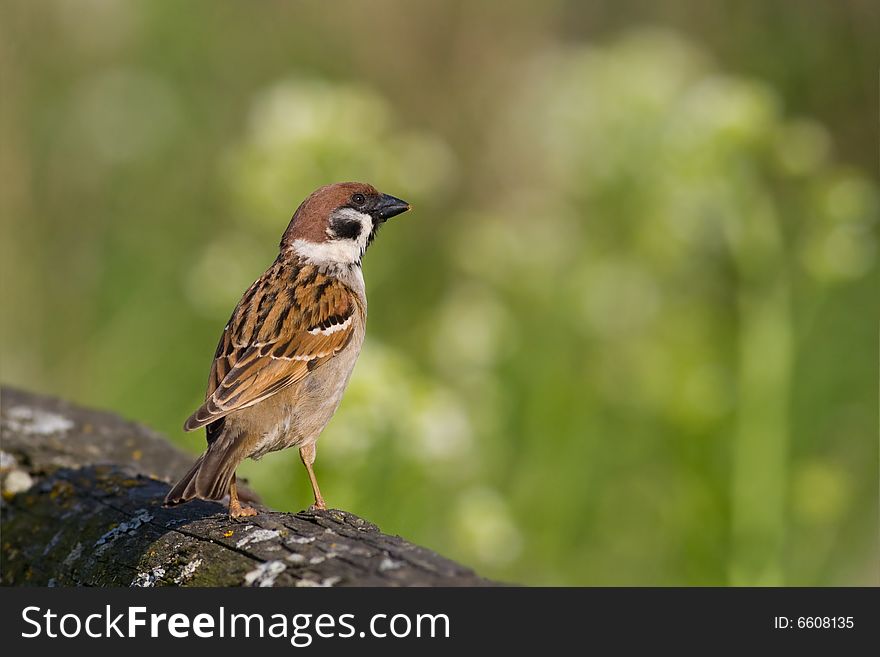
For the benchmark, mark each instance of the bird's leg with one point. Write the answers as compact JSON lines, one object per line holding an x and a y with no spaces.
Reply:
{"x":307,"y":454}
{"x":236,"y":510}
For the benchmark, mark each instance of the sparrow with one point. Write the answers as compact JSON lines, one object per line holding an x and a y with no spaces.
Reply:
{"x":287,"y":353}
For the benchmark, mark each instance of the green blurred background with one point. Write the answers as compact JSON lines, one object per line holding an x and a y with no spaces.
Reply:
{"x":628,"y":334}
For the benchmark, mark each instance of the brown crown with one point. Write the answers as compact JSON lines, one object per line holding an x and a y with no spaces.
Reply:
{"x":310,"y":220}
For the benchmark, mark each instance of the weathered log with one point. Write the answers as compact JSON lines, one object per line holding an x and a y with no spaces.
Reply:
{"x":82,"y":505}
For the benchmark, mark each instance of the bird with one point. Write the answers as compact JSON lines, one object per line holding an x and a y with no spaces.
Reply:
{"x":287,"y":353}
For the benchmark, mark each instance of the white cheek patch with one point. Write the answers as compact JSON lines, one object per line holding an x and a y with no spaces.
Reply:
{"x":331,"y":329}
{"x":336,"y":251}
{"x":366,"y":222}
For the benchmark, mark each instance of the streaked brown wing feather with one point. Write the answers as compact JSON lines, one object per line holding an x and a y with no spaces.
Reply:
{"x":289,"y":322}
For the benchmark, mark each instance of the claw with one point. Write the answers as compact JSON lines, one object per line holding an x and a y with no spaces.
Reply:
{"x":239,"y":511}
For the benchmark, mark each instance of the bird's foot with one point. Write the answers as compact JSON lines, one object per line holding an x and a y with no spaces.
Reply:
{"x":319,"y":505}
{"x":236,"y":510}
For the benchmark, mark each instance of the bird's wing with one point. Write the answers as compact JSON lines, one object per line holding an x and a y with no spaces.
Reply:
{"x":291,"y":321}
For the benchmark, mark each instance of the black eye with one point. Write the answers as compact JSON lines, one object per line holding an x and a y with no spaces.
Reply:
{"x":358,"y":199}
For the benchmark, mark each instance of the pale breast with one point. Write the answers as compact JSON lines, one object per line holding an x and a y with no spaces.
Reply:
{"x":297,"y":415}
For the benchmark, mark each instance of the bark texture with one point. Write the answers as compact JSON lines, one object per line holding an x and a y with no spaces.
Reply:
{"x":82,"y":506}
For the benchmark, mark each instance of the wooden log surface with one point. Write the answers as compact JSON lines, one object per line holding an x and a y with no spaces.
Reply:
{"x":82,"y":506}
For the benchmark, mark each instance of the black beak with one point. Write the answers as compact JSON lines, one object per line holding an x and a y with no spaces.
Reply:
{"x":389,"y":206}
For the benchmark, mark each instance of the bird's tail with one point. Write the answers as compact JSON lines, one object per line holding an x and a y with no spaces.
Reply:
{"x":209,"y":478}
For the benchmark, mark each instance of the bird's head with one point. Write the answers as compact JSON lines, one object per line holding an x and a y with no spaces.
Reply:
{"x":336,"y":223}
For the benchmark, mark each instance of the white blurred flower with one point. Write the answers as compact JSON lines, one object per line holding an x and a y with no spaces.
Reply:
{"x":485,"y":527}
{"x":294,"y":111}
{"x":729,"y":111}
{"x":442,"y":429}
{"x":388,"y":401}
{"x":472,"y":329}
{"x":222,"y":271}
{"x":839,"y":240}
{"x":304,"y":132}
{"x":640,"y":142}
{"x":585,"y":111}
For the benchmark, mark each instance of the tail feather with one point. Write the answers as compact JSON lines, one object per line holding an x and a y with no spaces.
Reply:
{"x":215,"y":474}
{"x":177,"y":495}
{"x":208,"y":479}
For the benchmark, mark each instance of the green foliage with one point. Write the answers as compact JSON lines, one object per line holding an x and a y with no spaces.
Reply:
{"x":626,"y":336}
